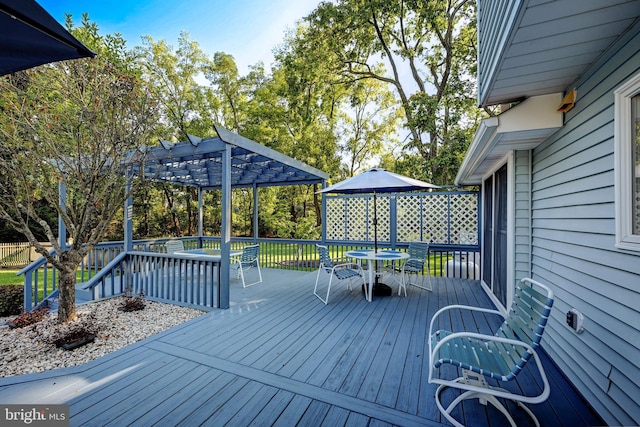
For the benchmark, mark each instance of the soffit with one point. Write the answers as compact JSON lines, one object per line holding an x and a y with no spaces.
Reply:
{"x":542,"y":46}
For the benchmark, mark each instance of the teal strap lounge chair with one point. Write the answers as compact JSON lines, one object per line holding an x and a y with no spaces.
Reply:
{"x":345,"y":271}
{"x":173,"y":246}
{"x":501,"y":356}
{"x":418,"y":256}
{"x":249,"y":259}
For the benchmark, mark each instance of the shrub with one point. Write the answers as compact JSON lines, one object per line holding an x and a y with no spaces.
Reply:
{"x":132,"y":303}
{"x":11,"y":300}
{"x":84,"y":327}
{"x":29,"y":318}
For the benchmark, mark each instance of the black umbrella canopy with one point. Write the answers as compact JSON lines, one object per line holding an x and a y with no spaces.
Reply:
{"x":29,"y":37}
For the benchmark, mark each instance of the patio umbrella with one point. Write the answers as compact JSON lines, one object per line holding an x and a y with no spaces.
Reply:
{"x":377,"y":180}
{"x":29,"y":37}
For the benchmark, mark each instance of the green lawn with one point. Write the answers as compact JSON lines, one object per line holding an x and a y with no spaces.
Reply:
{"x":8,"y":277}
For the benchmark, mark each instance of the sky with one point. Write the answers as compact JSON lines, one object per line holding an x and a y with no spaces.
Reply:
{"x":246,"y":29}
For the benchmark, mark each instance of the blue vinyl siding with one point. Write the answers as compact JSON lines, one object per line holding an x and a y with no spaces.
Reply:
{"x":573,"y":244}
{"x":522,"y":215}
{"x":495,"y":19}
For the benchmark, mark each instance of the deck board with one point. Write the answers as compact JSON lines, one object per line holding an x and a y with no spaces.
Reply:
{"x":279,"y":356}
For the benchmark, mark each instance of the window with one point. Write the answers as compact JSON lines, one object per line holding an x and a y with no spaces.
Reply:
{"x":627,"y":164}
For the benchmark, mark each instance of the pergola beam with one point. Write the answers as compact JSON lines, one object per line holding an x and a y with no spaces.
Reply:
{"x":222,"y":163}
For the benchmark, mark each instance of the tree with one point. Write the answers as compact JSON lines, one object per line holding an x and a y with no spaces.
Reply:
{"x":428,"y":50}
{"x":185,"y":107}
{"x":73,"y":125}
{"x":368,"y":126}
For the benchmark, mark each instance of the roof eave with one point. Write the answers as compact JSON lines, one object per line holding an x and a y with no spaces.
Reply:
{"x":522,"y":127}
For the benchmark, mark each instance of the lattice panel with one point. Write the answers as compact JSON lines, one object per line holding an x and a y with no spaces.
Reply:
{"x":358,"y":225}
{"x":435,"y":213}
{"x":423,"y":216}
{"x":384,"y":224}
{"x":336,"y":219}
{"x":351,"y":218}
{"x":410,"y":225}
{"x":464,"y":219}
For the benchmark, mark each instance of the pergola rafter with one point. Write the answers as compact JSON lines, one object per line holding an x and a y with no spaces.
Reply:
{"x":219,"y":163}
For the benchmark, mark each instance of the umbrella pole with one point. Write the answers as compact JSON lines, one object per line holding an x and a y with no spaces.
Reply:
{"x":375,"y":235}
{"x":375,"y":222}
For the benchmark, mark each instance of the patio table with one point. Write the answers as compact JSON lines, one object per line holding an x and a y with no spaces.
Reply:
{"x":207,"y":252}
{"x":373,"y":257}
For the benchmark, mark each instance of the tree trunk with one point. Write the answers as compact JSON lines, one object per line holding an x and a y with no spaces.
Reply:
{"x":67,"y":300}
{"x":317,"y":206}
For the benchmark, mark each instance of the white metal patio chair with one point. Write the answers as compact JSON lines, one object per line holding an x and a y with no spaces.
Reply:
{"x":500,"y":356}
{"x":418,"y":257}
{"x":344,"y":271}
{"x":173,"y":246}
{"x":246,"y":261}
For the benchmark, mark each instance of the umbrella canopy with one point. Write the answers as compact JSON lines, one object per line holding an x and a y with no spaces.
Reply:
{"x":29,"y":37}
{"x":377,"y":180}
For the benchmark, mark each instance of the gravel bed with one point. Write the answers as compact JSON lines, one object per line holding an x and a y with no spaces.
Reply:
{"x":26,"y":350}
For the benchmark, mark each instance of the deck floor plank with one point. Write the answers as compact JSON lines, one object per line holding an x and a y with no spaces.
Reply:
{"x":216,"y":402}
{"x":198,"y":400}
{"x":123,"y":394}
{"x":182,"y":395}
{"x":313,"y":346}
{"x":330,"y":339}
{"x":242,"y":405}
{"x":295,"y":410}
{"x":382,"y":356}
{"x":279,"y":356}
{"x":273,"y":409}
{"x":403,"y":367}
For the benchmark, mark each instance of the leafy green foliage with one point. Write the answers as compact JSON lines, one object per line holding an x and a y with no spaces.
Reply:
{"x":71,"y":124}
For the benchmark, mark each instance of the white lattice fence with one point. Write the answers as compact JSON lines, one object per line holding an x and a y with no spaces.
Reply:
{"x":447,"y":218}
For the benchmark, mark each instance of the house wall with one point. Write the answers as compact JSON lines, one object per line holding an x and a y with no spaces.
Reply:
{"x":573,"y":244}
{"x":522,"y":214}
{"x":494,"y":21}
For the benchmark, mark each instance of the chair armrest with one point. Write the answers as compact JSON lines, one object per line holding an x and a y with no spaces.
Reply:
{"x":350,"y":265}
{"x":482,"y":337}
{"x":492,"y":338}
{"x":460,"y":307}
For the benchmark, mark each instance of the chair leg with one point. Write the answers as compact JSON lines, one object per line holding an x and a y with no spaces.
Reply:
{"x":484,"y":398}
{"x":241,"y":275}
{"x":315,"y":289}
{"x":403,"y":284}
{"x":244,"y":285}
{"x":421,"y":285}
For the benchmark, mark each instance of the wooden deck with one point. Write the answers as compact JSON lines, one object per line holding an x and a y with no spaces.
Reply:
{"x":279,"y":356}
